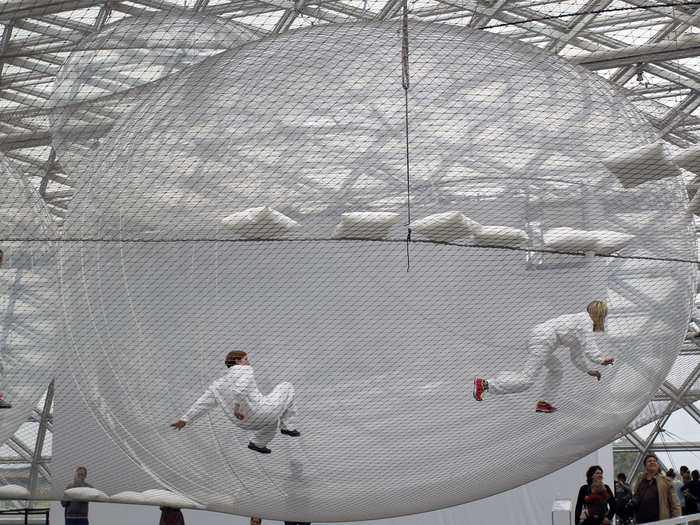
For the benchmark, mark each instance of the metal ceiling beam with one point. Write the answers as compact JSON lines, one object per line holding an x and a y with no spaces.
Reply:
{"x":657,"y":52}
{"x":680,"y":113}
{"x":585,"y":41}
{"x":60,"y":35}
{"x":579,"y":23}
{"x":665,"y":415}
{"x":684,"y":401}
{"x":41,"y":436}
{"x":681,"y":76}
{"x":33,"y":8}
{"x":637,"y":443}
{"x":4,"y":43}
{"x":25,"y":140}
{"x":673,"y":12}
{"x":668,"y":446}
{"x":482,"y":16}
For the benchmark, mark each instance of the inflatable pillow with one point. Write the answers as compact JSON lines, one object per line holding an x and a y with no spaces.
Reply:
{"x":260,"y":223}
{"x":500,"y":236}
{"x":445,"y":227}
{"x":689,"y":159}
{"x":640,"y":165}
{"x":365,"y":225}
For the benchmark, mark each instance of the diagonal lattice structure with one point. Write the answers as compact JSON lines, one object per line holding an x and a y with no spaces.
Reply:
{"x":647,"y":48}
{"x":73,"y":123}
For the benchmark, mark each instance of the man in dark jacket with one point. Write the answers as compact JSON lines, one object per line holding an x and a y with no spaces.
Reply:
{"x":655,"y":497}
{"x":77,"y":511}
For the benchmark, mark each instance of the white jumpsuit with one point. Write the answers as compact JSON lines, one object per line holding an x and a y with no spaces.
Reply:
{"x":574,"y":331}
{"x":262,"y":413}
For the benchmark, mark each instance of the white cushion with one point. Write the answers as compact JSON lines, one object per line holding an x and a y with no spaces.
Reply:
{"x":85,"y":493}
{"x":445,"y":227}
{"x":365,"y":225}
{"x":13,"y":492}
{"x":135,"y":498}
{"x":570,"y":240}
{"x":611,"y":241}
{"x":500,"y":236}
{"x":165,"y":498}
{"x":689,"y":159}
{"x":639,"y":165}
{"x":260,"y":223}
{"x":160,"y":497}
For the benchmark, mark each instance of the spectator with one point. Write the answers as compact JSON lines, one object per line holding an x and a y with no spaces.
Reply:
{"x":623,"y":496}
{"x":691,"y":490}
{"x":685,"y":478}
{"x":654,"y":497}
{"x":76,"y":512}
{"x":171,"y":516}
{"x":677,"y":484}
{"x":594,"y":473}
{"x":255,"y":521}
{"x":595,"y":507}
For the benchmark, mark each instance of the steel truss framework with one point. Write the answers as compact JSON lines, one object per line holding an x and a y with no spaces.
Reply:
{"x":650,"y":49}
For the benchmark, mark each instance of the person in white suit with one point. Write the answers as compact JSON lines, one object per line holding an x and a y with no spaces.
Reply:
{"x":573,"y":331}
{"x":238,"y":396}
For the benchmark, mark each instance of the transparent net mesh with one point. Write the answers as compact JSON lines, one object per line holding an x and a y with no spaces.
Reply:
{"x":378,"y":245}
{"x":28,"y":300}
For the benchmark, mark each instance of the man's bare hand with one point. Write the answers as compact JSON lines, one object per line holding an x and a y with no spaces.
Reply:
{"x":179,"y":424}
{"x":237,"y":412}
{"x":608,"y":361}
{"x":594,"y":373}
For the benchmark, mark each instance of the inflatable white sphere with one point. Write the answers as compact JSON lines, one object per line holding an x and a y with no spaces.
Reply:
{"x":312,"y":124}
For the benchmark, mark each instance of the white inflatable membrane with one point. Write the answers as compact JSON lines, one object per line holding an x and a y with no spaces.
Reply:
{"x":156,"y":289}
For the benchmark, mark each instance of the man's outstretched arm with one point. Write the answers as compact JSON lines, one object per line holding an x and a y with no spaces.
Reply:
{"x":206,"y":402}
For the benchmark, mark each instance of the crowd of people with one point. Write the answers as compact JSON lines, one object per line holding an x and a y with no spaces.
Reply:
{"x":654,"y":496}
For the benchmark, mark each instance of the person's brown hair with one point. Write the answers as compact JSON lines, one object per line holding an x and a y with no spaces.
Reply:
{"x":233,"y":356}
{"x":649,"y":456}
{"x":598,"y":311}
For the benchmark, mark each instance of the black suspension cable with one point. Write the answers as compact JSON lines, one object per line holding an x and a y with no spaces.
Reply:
{"x":349,"y":239}
{"x":405,"y":82}
{"x":592,"y":12}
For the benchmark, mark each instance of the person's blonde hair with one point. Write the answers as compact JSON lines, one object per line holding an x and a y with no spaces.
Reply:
{"x":598,"y":310}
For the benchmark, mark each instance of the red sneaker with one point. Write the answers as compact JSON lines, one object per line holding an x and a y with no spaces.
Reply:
{"x":543,"y":406}
{"x":3,"y":403}
{"x":481,"y":386}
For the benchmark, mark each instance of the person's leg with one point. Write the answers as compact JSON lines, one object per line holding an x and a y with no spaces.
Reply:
{"x":554,"y":374}
{"x":280,"y":403}
{"x":263,"y":436}
{"x":509,"y":382}
{"x":288,"y":419}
